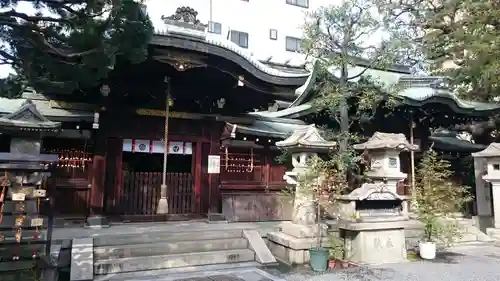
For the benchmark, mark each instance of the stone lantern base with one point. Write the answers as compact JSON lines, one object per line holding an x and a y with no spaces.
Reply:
{"x":291,"y":245}
{"x":374,"y":243}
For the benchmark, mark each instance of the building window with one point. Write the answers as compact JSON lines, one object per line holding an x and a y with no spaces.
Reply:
{"x":293,"y":44}
{"x":273,"y":34}
{"x":240,"y":38}
{"x":214,"y":27}
{"x":300,"y":3}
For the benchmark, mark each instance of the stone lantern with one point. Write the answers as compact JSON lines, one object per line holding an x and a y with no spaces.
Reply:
{"x":491,"y":155}
{"x":384,"y":150}
{"x":303,"y":144}
{"x":373,"y":216}
{"x":297,"y":237}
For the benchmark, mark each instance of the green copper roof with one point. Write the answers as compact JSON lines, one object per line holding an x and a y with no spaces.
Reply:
{"x":433,"y":89}
{"x":269,"y":128}
{"x":8,"y":106}
{"x":455,"y":144}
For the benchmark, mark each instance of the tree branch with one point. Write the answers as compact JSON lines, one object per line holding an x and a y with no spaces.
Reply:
{"x":34,"y":19}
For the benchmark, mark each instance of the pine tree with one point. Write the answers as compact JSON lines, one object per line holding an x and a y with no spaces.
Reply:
{"x":348,"y":39}
{"x":71,"y":44}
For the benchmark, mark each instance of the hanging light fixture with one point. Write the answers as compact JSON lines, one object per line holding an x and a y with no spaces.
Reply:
{"x":104,"y":90}
{"x":240,"y":81}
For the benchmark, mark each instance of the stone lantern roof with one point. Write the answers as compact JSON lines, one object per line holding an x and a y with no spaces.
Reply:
{"x":386,"y":141}
{"x":493,"y":150}
{"x":307,"y":138}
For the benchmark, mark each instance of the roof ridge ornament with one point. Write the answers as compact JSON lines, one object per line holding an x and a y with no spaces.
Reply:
{"x":185,"y":22}
{"x":440,"y":83}
{"x":434,"y":82}
{"x":184,"y":14}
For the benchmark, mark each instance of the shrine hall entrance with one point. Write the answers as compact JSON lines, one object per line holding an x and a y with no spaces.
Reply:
{"x":142,"y":174}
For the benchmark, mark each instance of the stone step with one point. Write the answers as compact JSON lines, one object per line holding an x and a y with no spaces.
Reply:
{"x":158,"y":237}
{"x":164,"y":248}
{"x":114,"y":265}
{"x":179,"y":273}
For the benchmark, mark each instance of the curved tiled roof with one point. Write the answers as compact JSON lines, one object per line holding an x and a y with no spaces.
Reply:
{"x":269,"y":128}
{"x":185,"y":24}
{"x":427,"y":89}
{"x":216,"y":40}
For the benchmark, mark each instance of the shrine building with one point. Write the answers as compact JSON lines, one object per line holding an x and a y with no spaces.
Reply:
{"x":226,"y":111}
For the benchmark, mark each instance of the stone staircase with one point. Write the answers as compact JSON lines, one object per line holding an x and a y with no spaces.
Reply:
{"x":115,"y":254}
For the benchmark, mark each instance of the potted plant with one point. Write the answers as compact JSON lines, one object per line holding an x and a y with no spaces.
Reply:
{"x":436,"y":201}
{"x":336,"y":251}
{"x":332,"y":261}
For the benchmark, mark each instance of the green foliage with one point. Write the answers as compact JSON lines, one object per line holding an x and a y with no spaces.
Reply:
{"x":468,"y":33}
{"x":437,"y":199}
{"x":284,"y":157}
{"x":71,"y":44}
{"x":461,"y":40}
{"x":337,"y":247}
{"x":348,"y":40}
{"x":12,"y":86}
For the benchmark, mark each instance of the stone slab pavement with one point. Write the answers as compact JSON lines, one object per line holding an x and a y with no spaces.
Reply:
{"x":463,"y":263}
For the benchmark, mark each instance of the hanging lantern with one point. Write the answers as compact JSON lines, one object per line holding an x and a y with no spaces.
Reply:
{"x":95,"y":125}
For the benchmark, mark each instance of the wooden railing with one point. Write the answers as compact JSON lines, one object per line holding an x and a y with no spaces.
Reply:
{"x":260,"y":176}
{"x":141,"y":191}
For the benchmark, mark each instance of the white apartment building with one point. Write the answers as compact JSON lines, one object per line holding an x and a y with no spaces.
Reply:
{"x":269,"y":29}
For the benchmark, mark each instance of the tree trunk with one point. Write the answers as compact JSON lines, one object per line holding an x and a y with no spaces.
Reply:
{"x":344,"y":126}
{"x":343,"y":110}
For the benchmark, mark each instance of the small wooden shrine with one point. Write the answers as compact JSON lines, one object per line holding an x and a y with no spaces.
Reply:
{"x":25,"y":213}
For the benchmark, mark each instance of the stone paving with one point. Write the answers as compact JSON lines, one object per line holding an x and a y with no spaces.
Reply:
{"x":464,"y":263}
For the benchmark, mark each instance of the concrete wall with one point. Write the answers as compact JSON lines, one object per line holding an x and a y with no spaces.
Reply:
{"x":255,"y":17}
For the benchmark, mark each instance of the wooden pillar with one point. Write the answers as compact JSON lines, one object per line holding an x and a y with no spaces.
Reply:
{"x":214,"y":179}
{"x":197,"y":176}
{"x":113,"y":175}
{"x":267,"y":155}
{"x":98,"y":174}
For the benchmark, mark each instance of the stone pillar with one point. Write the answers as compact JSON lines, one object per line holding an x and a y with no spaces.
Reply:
{"x":491,"y":157}
{"x":304,"y":211}
{"x":483,"y":194}
{"x":495,"y":185}
{"x":293,"y":242}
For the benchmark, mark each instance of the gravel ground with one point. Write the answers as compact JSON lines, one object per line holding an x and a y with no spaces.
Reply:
{"x":464,"y":263}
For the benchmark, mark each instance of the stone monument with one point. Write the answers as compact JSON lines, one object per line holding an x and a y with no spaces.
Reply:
{"x":372,"y":216}
{"x":293,"y":242}
{"x":491,"y":156}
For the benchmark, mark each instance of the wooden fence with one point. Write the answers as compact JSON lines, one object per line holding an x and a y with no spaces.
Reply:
{"x":71,"y":197}
{"x":141,"y":191}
